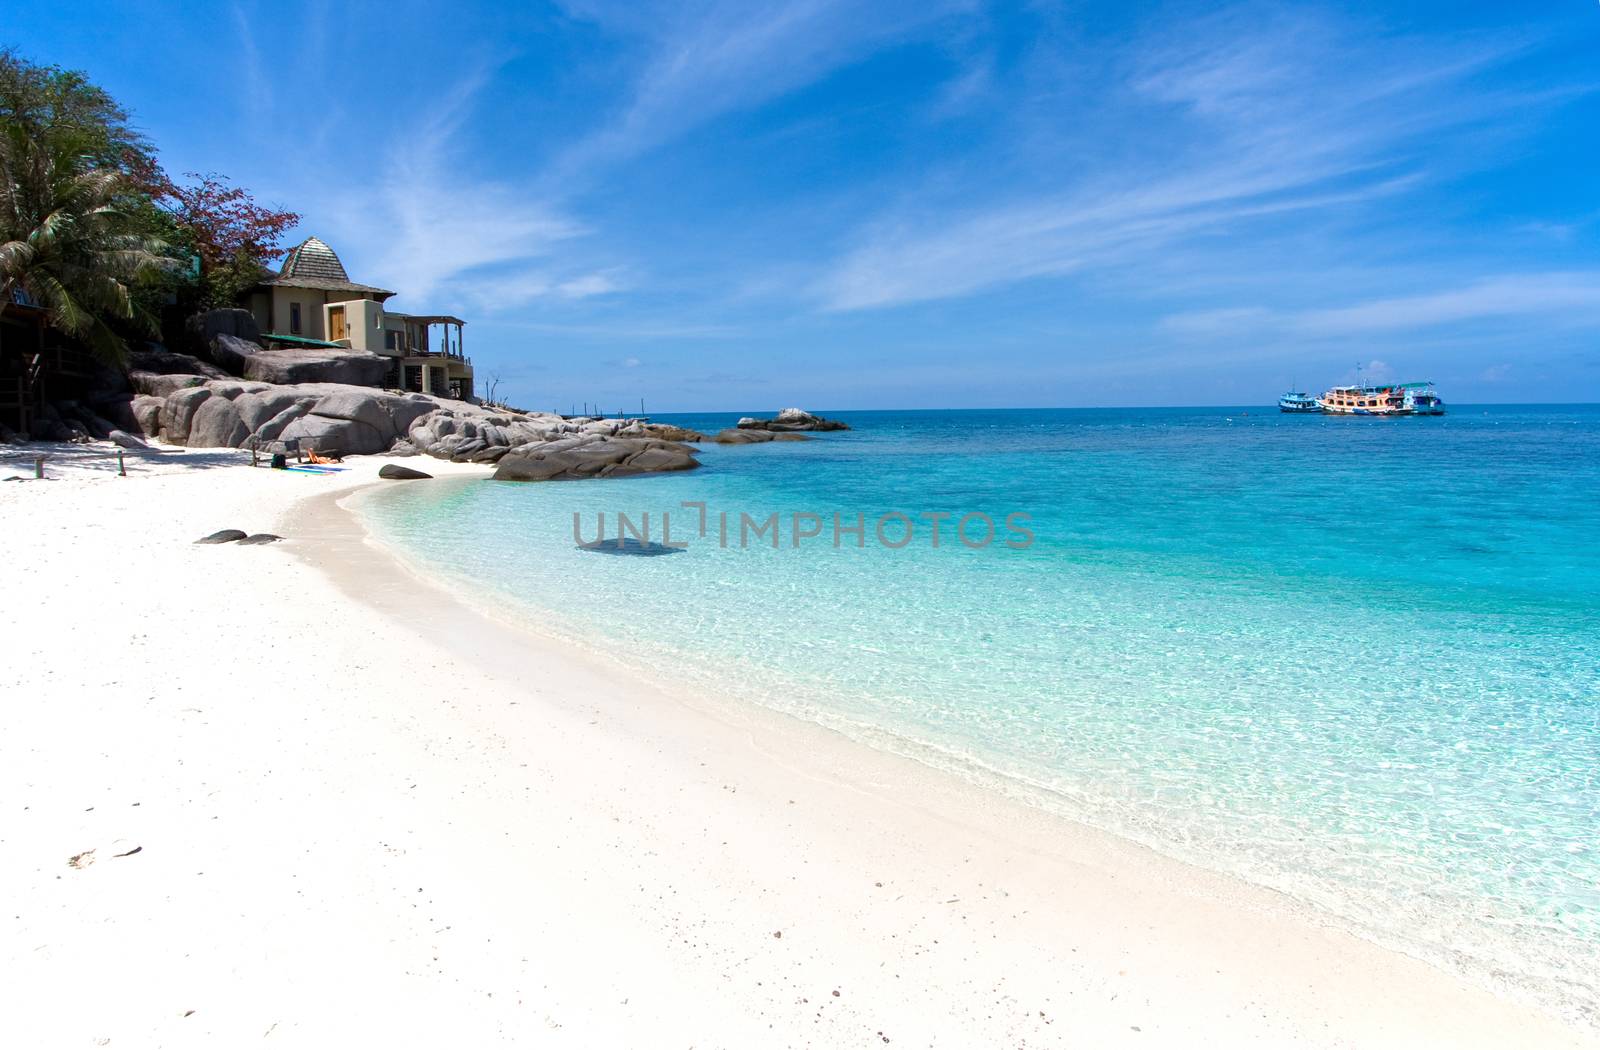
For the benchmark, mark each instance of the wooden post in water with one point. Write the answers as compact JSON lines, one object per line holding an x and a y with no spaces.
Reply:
{"x":38,"y":467}
{"x":122,"y":470}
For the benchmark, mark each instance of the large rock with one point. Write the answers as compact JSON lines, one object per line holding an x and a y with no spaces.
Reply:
{"x":317,"y":365}
{"x":233,"y":353}
{"x":272,"y":429}
{"x":790,"y":419}
{"x":161,"y":384}
{"x":256,"y":408}
{"x":147,"y":410}
{"x":732,"y":436}
{"x":178,"y":410}
{"x":204,"y":327}
{"x":216,"y":424}
{"x":346,"y":437}
{"x":661,"y":432}
{"x":592,"y":456}
{"x":158,"y":360}
{"x":388,"y":414}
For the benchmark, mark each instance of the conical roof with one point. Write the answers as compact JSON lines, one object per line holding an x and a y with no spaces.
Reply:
{"x":312,"y":264}
{"x":313,"y":258}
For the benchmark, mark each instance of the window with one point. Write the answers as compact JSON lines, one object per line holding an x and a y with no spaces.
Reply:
{"x":294,"y":318}
{"x":391,"y":340}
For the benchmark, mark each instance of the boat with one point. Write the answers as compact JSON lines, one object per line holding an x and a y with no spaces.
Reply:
{"x":1422,"y":399}
{"x":1389,"y":399}
{"x":1297,"y":402}
{"x":1360,"y":400}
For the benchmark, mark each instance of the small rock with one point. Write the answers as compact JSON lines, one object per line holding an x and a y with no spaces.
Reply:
{"x":127,"y":440}
{"x":629,"y":545}
{"x":225,"y":536}
{"x":395,"y":472}
{"x":258,"y":539}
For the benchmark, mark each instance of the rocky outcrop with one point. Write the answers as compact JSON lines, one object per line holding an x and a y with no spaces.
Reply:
{"x":593,"y":456}
{"x":660,"y":431}
{"x":731,"y":436}
{"x":317,"y":365}
{"x":352,"y":420}
{"x":791,"y":419}
{"x":332,"y":418}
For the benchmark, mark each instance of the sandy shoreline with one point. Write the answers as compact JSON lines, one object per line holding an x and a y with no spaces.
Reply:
{"x":366,"y":813}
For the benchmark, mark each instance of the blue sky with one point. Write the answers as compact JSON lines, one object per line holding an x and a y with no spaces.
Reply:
{"x":930,"y":204}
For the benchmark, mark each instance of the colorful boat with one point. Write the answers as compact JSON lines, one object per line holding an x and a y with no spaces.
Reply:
{"x":1392,"y":399}
{"x":1297,"y":402}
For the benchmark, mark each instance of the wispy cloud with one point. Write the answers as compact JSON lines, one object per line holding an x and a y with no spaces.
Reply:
{"x":706,"y":59}
{"x":439,"y":229}
{"x":1558,"y":299}
{"x":1221,"y":123}
{"x":439,"y":222}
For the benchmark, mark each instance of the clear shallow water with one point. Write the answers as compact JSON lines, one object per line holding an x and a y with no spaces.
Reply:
{"x":1354,"y":660}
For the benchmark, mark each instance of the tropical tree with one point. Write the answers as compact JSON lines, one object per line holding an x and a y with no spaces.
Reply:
{"x":220,"y":226}
{"x":68,"y":239}
{"x":93,"y":228}
{"x":49,"y":102}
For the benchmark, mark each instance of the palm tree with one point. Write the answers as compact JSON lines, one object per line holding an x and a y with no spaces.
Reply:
{"x":68,"y":242}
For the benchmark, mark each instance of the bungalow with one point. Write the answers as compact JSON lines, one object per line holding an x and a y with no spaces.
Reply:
{"x":312,"y":301}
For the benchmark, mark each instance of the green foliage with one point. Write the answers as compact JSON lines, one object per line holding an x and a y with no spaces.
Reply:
{"x":62,"y":107}
{"x":94,"y":230}
{"x":68,"y":243}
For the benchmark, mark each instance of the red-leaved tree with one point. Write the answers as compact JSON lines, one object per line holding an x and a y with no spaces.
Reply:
{"x":231,"y":235}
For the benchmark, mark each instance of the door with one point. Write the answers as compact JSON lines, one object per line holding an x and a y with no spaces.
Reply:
{"x":335,"y":323}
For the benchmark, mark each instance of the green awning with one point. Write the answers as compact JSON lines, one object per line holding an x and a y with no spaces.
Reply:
{"x":302,"y":340}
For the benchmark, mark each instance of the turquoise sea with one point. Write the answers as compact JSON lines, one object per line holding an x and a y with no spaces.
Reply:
{"x":1356,"y":660}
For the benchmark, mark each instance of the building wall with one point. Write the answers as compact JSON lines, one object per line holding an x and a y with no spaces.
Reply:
{"x":313,"y":322}
{"x":363,"y":324}
{"x":271,"y":307}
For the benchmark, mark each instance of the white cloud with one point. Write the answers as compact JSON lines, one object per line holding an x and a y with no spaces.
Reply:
{"x":587,"y":285}
{"x":1213,"y":125}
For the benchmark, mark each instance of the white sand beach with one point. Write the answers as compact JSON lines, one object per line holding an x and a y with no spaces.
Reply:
{"x":315,"y":801}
